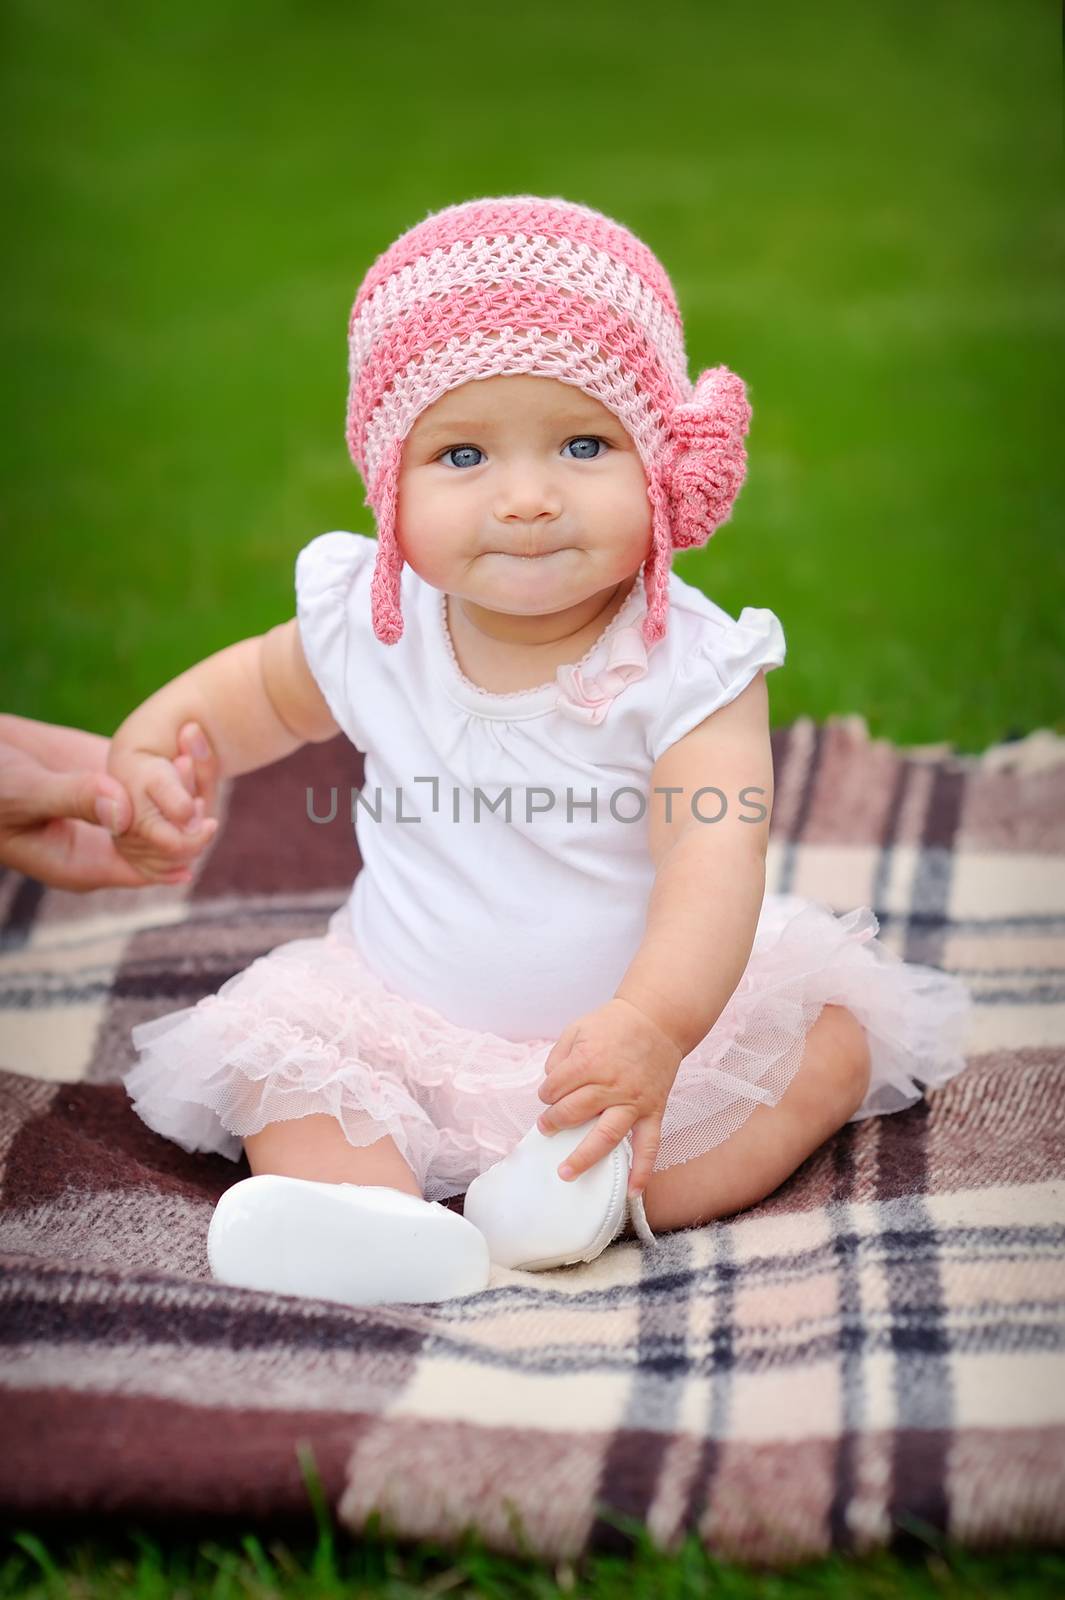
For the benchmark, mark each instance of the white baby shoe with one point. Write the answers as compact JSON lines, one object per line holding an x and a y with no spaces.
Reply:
{"x":533,"y":1219}
{"x":361,"y":1244}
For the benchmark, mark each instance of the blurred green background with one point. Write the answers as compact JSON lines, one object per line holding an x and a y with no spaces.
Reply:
{"x":860,"y":207}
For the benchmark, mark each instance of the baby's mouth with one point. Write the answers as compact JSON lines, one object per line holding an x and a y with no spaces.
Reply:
{"x":514,"y":555}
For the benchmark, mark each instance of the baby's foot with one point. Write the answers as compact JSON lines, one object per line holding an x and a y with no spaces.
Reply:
{"x":534,"y":1220}
{"x":361,"y":1244}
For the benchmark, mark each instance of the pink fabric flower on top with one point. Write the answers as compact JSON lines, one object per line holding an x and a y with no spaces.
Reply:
{"x":588,"y":697}
{"x":704,"y":461}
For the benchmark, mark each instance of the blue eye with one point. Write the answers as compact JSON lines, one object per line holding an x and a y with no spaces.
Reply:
{"x":459,"y":450}
{"x":586,"y":438}
{"x":581,"y":439}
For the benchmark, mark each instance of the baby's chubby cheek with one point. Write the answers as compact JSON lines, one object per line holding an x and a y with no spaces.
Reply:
{"x":436,"y":560}
{"x":425,"y":536}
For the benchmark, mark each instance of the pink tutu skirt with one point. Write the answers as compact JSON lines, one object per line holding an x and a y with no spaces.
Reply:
{"x":309,"y":1028}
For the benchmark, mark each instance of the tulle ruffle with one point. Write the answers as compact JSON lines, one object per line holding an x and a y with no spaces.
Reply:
{"x":309,"y":1028}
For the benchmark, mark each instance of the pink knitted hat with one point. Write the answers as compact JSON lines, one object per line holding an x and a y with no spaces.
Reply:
{"x":549,"y":287}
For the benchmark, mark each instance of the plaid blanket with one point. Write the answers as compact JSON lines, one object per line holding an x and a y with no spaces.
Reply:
{"x":876,"y":1346}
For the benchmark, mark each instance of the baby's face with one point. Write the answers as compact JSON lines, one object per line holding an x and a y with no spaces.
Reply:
{"x":522,"y":494}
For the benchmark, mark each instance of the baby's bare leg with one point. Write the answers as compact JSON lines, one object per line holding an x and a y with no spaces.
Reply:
{"x":316,"y":1147}
{"x":828,"y":1088}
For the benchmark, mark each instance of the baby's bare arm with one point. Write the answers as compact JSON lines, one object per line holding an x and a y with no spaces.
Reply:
{"x":256,"y":701}
{"x":710,"y":876}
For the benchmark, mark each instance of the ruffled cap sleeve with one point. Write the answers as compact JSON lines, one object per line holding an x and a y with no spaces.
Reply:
{"x":333,"y":576}
{"x":717,"y":669}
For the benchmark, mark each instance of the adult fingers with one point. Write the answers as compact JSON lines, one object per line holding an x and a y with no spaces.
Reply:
{"x":98,"y":865}
{"x":91,"y":796}
{"x":67,"y":853}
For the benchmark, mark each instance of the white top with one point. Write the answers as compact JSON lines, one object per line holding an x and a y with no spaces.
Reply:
{"x":511,"y":927}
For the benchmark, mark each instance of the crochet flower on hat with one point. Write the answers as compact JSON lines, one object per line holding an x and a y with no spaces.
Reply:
{"x":704,"y":460}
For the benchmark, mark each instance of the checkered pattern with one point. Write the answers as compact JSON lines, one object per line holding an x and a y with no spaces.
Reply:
{"x":879,"y":1342}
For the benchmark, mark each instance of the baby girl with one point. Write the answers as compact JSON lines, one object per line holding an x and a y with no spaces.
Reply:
{"x":558,"y":986}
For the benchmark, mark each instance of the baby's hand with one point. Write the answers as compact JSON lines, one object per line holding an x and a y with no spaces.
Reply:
{"x":614,"y":1060}
{"x":169,"y":827}
{"x":197,"y":765}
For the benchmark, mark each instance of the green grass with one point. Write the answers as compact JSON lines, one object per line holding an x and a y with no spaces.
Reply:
{"x":259,"y":1567}
{"x":860,"y":207}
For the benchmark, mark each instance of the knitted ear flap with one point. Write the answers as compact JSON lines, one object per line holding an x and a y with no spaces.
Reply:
{"x":704,"y":461}
{"x":658,"y":563}
{"x":385,"y":608}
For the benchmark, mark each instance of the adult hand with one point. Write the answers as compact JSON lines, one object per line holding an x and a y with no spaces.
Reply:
{"x":60,"y":809}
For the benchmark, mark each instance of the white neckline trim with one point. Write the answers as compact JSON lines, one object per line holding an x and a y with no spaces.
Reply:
{"x":518,"y":703}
